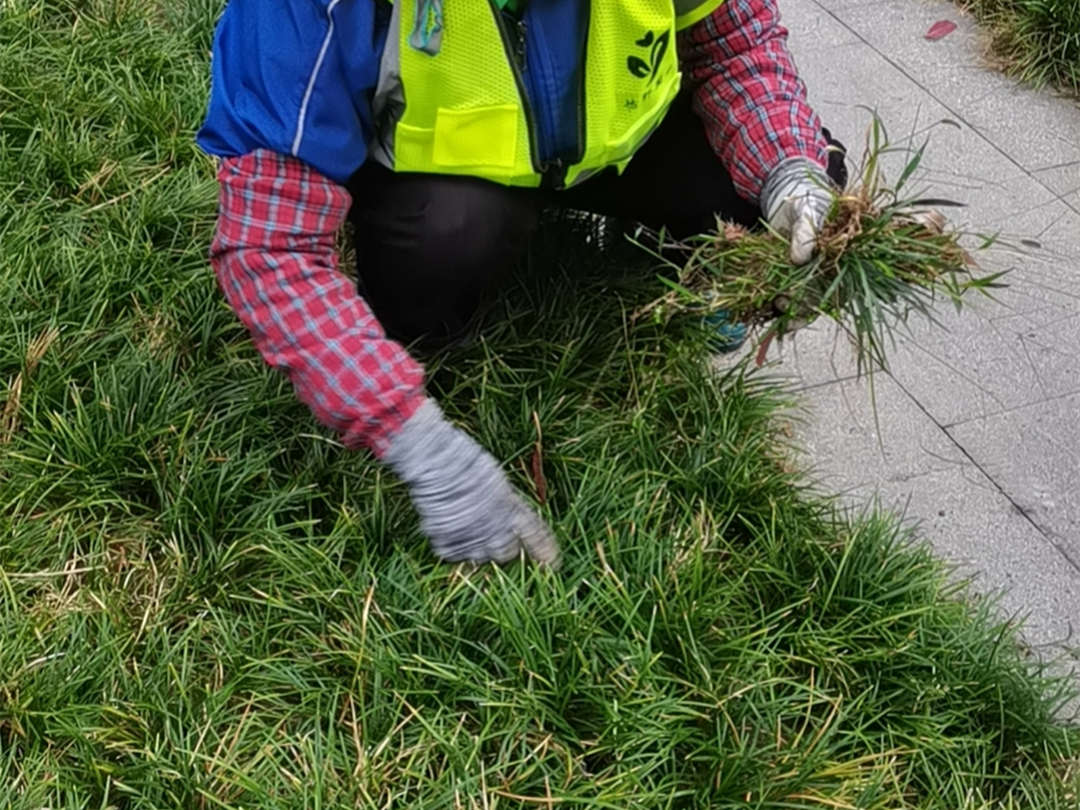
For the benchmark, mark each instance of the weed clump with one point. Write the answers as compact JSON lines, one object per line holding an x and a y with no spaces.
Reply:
{"x":882,"y":256}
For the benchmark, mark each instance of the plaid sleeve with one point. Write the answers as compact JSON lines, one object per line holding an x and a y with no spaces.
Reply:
{"x":275,"y":257}
{"x":748,"y":93}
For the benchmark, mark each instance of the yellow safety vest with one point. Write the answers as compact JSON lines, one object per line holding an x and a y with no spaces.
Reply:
{"x":461,"y":108}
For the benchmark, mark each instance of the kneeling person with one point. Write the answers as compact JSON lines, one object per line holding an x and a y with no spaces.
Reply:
{"x":443,"y":128}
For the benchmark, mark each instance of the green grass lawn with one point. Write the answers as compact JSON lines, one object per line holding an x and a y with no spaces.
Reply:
{"x":205,"y":602}
{"x":1035,"y":40}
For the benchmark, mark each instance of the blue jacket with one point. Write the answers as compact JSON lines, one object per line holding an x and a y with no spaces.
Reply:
{"x":298,"y":79}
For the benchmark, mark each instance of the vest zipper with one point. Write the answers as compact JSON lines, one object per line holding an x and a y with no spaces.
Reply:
{"x":514,"y":45}
{"x":560,"y":132}
{"x":552,"y":172}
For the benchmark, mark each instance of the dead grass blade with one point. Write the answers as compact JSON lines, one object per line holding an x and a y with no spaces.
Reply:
{"x":9,"y":420}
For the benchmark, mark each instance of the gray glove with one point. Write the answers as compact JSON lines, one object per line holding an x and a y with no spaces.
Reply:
{"x":795,"y":200}
{"x":466,"y":505}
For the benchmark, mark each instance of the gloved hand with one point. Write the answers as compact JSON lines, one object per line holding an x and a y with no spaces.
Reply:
{"x":466,"y":505}
{"x":795,"y":200}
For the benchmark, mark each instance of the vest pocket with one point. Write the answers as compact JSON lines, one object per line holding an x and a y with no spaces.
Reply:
{"x":481,"y":136}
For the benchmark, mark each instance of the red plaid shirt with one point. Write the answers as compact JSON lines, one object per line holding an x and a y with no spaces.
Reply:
{"x":275,"y":257}
{"x":748,"y":93}
{"x":274,"y":251}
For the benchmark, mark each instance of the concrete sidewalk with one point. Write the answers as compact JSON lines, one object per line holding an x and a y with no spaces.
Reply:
{"x":980,"y":422}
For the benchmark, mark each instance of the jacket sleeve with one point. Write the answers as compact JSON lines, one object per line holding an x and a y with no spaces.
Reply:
{"x":295,"y":77}
{"x":275,"y":257}
{"x":748,"y":93}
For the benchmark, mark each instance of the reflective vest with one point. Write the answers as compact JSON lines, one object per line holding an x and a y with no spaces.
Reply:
{"x":451,"y":97}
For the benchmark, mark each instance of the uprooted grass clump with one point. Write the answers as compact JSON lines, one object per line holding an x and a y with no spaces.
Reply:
{"x":206,"y":602}
{"x":882,"y":256}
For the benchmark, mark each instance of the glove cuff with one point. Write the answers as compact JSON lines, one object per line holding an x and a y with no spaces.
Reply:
{"x":433,"y":457}
{"x":425,"y":436}
{"x":785,"y":180}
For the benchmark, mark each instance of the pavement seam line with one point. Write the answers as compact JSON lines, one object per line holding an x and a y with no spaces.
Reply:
{"x":1012,"y":502}
{"x":1009,"y":410}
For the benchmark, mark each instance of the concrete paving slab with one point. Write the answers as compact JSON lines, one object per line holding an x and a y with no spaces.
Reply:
{"x":1038,"y":274}
{"x":951,"y":71}
{"x":841,"y":90}
{"x":1033,"y":454}
{"x":897,"y":29}
{"x":999,"y":493}
{"x":950,"y":390}
{"x":841,"y":444}
{"x":836,"y":5}
{"x":1036,"y":303}
{"x":918,"y":473}
{"x":1047,"y":134}
{"x":1031,"y":231}
{"x":1063,"y":179}
{"x":972,"y":525}
{"x":1047,"y":267}
{"x":1051,"y":347}
{"x":974,"y":367}
{"x":818,"y":354}
{"x":958,"y":164}
{"x":1044,"y":294}
{"x":809,"y":29}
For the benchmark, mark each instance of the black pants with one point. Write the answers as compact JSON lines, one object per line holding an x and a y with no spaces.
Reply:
{"x":430,"y":246}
